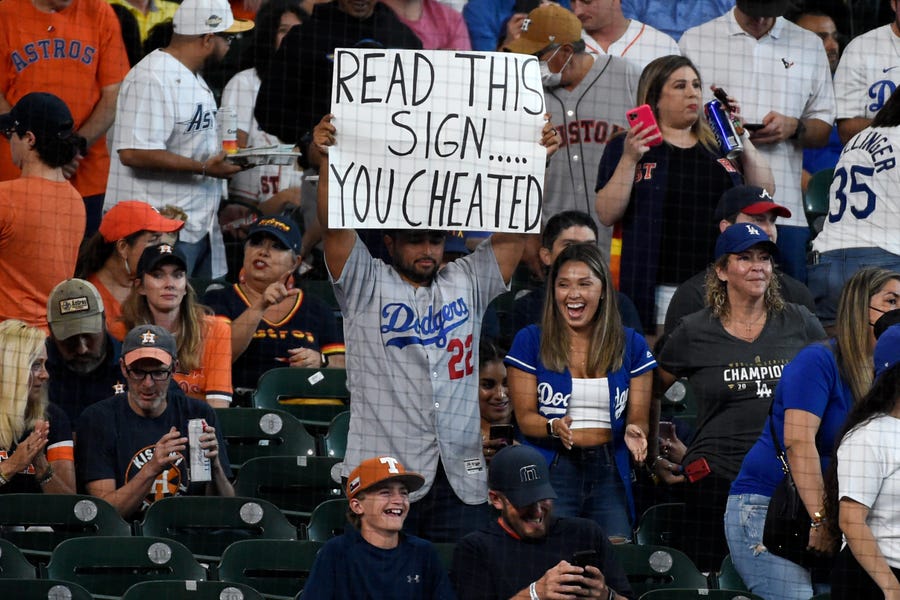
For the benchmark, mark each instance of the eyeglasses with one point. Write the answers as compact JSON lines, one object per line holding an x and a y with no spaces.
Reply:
{"x":228,"y":37}
{"x":141,"y":374}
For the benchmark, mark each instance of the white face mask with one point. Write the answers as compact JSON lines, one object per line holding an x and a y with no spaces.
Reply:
{"x":548,"y":78}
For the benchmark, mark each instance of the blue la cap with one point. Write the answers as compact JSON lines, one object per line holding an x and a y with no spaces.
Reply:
{"x":887,"y":350}
{"x":743,"y":236}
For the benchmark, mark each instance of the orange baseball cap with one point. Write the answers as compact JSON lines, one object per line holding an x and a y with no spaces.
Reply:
{"x":381,"y":469}
{"x":130,"y":216}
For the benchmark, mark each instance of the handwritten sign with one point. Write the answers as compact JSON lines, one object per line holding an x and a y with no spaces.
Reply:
{"x":436,"y":140}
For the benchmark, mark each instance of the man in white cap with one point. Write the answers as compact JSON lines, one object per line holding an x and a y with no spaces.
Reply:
{"x":133,"y":447}
{"x":167,"y":146}
{"x":82,"y":357}
{"x":374,"y":558}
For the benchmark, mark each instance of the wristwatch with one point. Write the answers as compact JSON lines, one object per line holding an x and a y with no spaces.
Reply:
{"x":801,"y":127}
{"x":550,"y":427}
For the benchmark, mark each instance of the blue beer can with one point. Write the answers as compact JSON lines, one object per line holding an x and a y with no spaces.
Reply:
{"x":723,"y":128}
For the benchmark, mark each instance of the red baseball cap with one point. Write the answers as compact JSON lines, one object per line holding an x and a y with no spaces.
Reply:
{"x":130,"y":216}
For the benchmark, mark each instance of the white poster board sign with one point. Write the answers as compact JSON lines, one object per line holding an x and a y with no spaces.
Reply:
{"x":436,"y":140}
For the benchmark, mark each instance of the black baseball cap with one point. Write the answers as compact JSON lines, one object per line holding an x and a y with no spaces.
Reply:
{"x":284,"y":229}
{"x":41,"y":113}
{"x":520,"y":473}
{"x":748,"y":199}
{"x":163,"y":254}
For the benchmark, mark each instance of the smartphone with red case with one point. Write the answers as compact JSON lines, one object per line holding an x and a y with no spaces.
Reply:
{"x":697,"y":470}
{"x":644,"y":114}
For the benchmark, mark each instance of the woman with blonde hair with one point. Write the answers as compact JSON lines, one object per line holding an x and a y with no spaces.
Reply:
{"x":580,"y":384}
{"x":732,"y":353}
{"x":816,"y":393}
{"x":36,"y":450}
{"x":163,"y":296}
{"x":664,"y":196}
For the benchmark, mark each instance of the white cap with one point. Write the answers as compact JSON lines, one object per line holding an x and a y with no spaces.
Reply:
{"x":199,"y":17}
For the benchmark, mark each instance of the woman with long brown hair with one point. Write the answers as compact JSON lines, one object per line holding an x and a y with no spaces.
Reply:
{"x":163,"y":296}
{"x":664,"y":196}
{"x":580,"y":384}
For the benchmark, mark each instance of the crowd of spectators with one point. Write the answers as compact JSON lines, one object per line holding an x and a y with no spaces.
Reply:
{"x":147,"y":278}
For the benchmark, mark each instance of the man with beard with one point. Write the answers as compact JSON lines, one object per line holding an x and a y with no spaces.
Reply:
{"x":133,"y":447}
{"x":412,"y":330}
{"x":166,"y":140}
{"x":527,"y":552}
{"x":82,"y":357}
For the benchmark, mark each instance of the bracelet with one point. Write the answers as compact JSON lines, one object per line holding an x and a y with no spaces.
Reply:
{"x":532,"y":590}
{"x":655,"y":460}
{"x":801,"y":129}
{"x":47,"y":476}
{"x":3,"y":479}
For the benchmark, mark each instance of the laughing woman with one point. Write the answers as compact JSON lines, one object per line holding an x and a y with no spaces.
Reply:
{"x":580,"y":384}
{"x":35,"y":436}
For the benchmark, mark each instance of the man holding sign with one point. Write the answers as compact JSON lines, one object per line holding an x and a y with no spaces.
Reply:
{"x":412,"y":330}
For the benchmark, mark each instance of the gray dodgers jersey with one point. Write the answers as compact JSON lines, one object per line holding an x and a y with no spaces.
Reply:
{"x":586,"y":118}
{"x":412,"y":366}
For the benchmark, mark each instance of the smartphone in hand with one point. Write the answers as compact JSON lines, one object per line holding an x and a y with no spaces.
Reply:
{"x":502,"y":432}
{"x":644,"y":114}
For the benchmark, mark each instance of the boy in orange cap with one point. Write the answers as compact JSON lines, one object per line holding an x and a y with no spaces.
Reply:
{"x":374,"y":558}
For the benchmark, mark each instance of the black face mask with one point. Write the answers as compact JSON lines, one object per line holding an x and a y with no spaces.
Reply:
{"x":887,"y":318}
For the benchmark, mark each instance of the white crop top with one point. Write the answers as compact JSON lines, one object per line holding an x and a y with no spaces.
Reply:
{"x":589,"y":404}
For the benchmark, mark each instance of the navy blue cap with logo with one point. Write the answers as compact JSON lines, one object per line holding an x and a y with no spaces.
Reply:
{"x":282,"y":228}
{"x":521,"y":474}
{"x":743,"y":236}
{"x":156,"y":256}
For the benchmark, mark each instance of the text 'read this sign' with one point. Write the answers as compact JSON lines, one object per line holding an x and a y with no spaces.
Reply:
{"x":436,"y":140}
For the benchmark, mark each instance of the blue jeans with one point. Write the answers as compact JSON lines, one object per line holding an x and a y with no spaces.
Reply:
{"x":765,"y":574}
{"x":792,"y":247}
{"x":588,"y":485}
{"x":828,"y":275}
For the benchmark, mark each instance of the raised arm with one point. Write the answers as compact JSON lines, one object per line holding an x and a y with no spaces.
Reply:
{"x":338,"y":242}
{"x":612,"y":199}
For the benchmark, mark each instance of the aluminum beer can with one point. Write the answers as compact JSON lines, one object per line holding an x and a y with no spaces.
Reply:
{"x":227,"y":118}
{"x":722,"y":126}
{"x":201,"y":468}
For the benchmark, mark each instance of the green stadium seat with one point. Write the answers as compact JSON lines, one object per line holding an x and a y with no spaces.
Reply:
{"x":254,"y":432}
{"x":191,"y":590}
{"x":328,"y":520}
{"x":314,"y":396}
{"x":209,"y":524}
{"x":336,"y":436}
{"x":658,"y":567}
{"x":108,"y":566}
{"x":275,"y":568}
